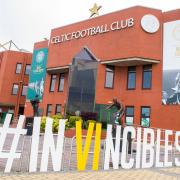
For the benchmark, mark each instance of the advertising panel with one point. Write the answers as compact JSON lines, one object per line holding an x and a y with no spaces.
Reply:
{"x":171,"y":63}
{"x":38,"y":74}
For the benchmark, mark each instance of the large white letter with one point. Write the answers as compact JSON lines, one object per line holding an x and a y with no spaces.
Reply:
{"x":35,"y":144}
{"x":177,"y":162}
{"x":110,"y":147}
{"x":138,"y":148}
{"x":167,"y":148}
{"x":49,"y":145}
{"x":158,"y":149}
{"x":148,"y":146}
{"x":124,"y":164}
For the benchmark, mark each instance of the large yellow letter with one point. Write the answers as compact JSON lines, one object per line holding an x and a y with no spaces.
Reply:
{"x":97,"y":147}
{"x":82,"y":156}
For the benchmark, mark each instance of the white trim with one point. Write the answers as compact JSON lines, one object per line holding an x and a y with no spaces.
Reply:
{"x":130,"y":59}
{"x":58,"y":68}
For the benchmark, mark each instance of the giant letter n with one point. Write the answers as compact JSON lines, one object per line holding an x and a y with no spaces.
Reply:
{"x":49,"y":145}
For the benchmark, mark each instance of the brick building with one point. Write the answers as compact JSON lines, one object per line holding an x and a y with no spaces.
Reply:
{"x":120,"y":55}
{"x":15,"y":67}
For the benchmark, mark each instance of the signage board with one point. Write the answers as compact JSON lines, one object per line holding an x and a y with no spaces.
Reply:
{"x":91,"y":31}
{"x":38,"y":74}
{"x":171,"y":63}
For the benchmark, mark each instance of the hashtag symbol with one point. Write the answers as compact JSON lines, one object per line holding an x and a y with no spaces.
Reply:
{"x":11,"y":155}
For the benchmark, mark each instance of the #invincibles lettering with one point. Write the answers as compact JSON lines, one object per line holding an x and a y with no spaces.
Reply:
{"x":149,"y":146}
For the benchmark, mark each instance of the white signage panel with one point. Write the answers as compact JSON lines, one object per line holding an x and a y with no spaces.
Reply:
{"x":171,"y":63}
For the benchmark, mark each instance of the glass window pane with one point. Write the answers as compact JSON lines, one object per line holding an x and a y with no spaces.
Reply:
{"x":61,"y":82}
{"x":18,"y":68}
{"x":58,"y":108}
{"x":145,"y":116}
{"x":52,"y":83}
{"x":147,"y":67}
{"x":145,"y":122}
{"x":147,"y":76}
{"x":132,"y":69}
{"x":82,"y":83}
{"x":109,"y":76}
{"x":28,"y":69}
{"x":24,"y":90}
{"x":131,"y":80}
{"x":49,"y":109}
{"x":130,"y":111}
{"x":145,"y":112}
{"x":83,"y":55}
{"x":15,"y":89}
{"x":129,"y":115}
{"x":129,"y":120}
{"x":147,"y":79}
{"x":109,"y":79}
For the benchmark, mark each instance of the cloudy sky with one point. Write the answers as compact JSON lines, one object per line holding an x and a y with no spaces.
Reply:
{"x":29,"y":21}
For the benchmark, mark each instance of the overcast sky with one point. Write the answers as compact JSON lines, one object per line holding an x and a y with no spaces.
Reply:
{"x":29,"y":21}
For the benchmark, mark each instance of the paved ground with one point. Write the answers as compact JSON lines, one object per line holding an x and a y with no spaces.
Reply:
{"x":69,"y":161}
{"x":150,"y":174}
{"x":20,"y":167}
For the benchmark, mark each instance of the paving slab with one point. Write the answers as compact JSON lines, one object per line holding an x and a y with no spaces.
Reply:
{"x":140,"y":174}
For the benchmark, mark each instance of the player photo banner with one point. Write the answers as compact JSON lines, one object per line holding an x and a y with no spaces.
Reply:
{"x":171,"y":63}
{"x":38,"y":74}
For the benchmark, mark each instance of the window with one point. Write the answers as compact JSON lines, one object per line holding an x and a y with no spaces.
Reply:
{"x":129,"y":115}
{"x":24,"y":90}
{"x":18,"y":68}
{"x":82,"y":82}
{"x":15,"y":89}
{"x":52,"y":83}
{"x":49,"y":109}
{"x":147,"y":77}
{"x":28,"y":69}
{"x":145,"y":116}
{"x":109,"y":76}
{"x":131,"y":78}
{"x":61,"y":82}
{"x":58,"y":109}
